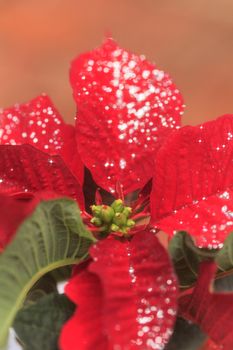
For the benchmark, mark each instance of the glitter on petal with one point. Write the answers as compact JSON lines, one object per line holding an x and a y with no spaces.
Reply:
{"x":38,"y":123}
{"x":136,"y":308}
{"x":193,"y":188}
{"x":126,"y":106}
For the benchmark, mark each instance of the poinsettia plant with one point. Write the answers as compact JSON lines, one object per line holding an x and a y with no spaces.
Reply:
{"x":139,"y":207}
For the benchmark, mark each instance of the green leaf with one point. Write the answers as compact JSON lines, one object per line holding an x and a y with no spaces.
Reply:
{"x":61,"y":274}
{"x":185,"y":259}
{"x":46,"y":285}
{"x":53,"y":236}
{"x":224,"y":258}
{"x":38,"y":326}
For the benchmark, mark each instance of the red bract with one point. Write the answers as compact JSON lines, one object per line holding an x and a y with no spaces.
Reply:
{"x":126,"y":106}
{"x":19,"y":210}
{"x":39,"y":124}
{"x":25,"y":171}
{"x":213,"y":312}
{"x":134,"y":310}
{"x":11,"y":208}
{"x":193,"y":183}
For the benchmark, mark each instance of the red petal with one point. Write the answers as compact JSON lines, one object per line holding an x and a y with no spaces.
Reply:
{"x":193,"y":183}
{"x":213,"y":312}
{"x":24,"y":169}
{"x":38,"y":123}
{"x":84,"y":330}
{"x":138,"y":293}
{"x":12,"y":213}
{"x":126,"y":106}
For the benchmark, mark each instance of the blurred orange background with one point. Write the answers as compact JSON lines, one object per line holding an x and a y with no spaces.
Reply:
{"x":192,"y":40}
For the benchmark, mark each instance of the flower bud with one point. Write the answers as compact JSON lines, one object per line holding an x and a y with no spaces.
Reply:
{"x":120,"y":219}
{"x":117,"y":206}
{"x":130,"y":223}
{"x":96,"y":221}
{"x":127,"y":211}
{"x":96,"y":210}
{"x":107,"y":214}
{"x":114,"y":228}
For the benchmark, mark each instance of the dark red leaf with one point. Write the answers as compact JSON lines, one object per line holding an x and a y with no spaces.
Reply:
{"x":213,"y":312}
{"x":12,"y":213}
{"x":126,"y":106}
{"x":193,"y":182}
{"x":134,"y":297}
{"x":25,"y":170}
{"x":39,"y":124}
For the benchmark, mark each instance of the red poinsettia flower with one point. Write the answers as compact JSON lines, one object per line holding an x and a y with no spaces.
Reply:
{"x":127,"y":132}
{"x":126,"y":108}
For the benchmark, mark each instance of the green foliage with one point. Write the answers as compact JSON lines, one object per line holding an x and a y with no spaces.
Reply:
{"x":224,"y":258}
{"x":38,"y":325}
{"x":47,"y":284}
{"x":52,"y":237}
{"x":186,"y":258}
